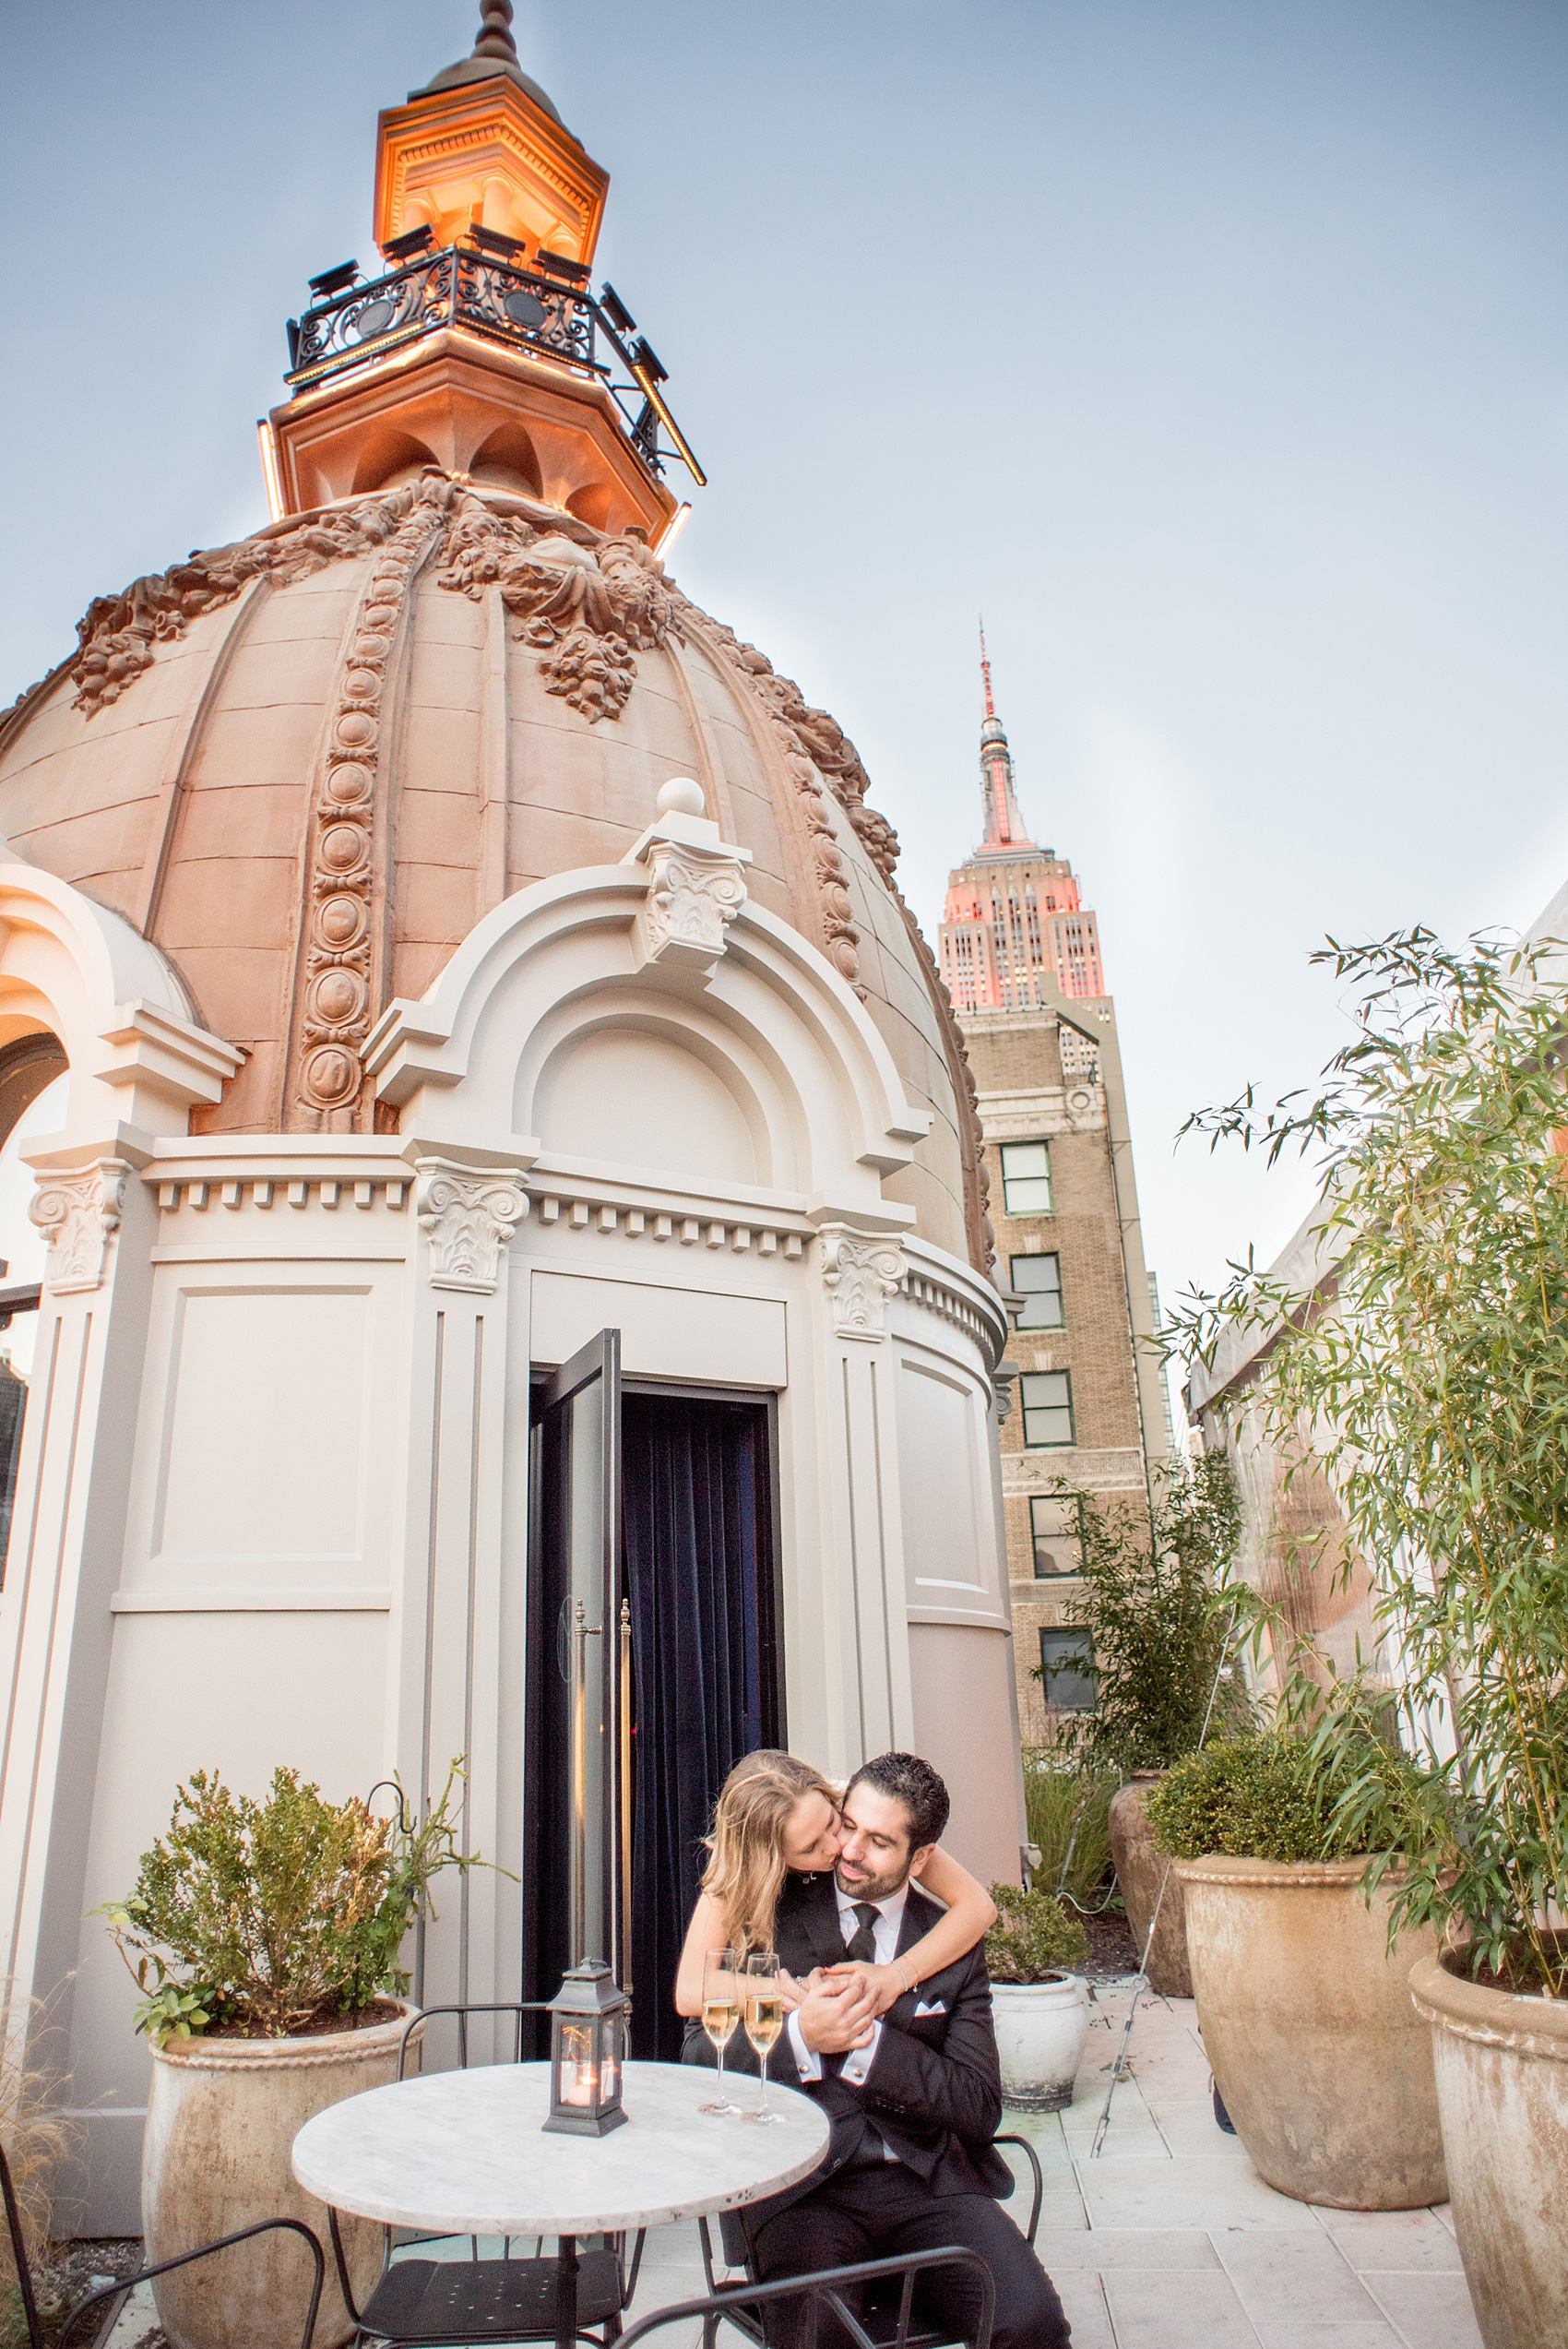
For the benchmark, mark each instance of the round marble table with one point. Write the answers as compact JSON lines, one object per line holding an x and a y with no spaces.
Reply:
{"x":463,"y":2152}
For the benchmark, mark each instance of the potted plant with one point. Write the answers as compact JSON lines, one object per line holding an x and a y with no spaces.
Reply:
{"x":1040,"y":2010}
{"x":1432,"y":1368}
{"x":1162,"y":1675}
{"x":1321,"y":2061}
{"x":264,"y":1939}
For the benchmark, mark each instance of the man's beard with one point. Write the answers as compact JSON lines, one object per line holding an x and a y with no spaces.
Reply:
{"x":871,"y":1888}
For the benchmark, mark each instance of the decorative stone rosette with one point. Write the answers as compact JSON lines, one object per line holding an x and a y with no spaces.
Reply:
{"x":340,"y":914}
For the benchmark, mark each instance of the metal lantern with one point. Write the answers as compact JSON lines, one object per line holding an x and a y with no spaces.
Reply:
{"x":587,"y":2050}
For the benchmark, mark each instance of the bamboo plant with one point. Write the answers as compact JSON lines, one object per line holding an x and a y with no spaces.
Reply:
{"x":1427,"y":1371}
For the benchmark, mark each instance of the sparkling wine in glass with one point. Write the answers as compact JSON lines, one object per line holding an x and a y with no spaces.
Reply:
{"x":720,"y":2014}
{"x":763,"y":2017}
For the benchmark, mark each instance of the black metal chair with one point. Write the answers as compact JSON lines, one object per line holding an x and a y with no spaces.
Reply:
{"x":430,"y":2303}
{"x":885,"y":2319}
{"x":891,"y":2287}
{"x":117,"y":2292}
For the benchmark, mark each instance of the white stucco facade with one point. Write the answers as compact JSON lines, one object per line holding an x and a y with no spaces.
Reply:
{"x":272,"y":1502}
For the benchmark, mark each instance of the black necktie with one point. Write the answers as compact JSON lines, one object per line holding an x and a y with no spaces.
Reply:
{"x":863,"y":1942}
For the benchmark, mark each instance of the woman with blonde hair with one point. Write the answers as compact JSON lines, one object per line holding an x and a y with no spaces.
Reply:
{"x":778,"y":1817}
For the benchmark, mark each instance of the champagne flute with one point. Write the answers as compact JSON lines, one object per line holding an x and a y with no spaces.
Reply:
{"x":720,"y":2014}
{"x":765,"y":2019}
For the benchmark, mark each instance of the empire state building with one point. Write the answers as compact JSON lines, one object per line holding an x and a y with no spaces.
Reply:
{"x":1013,"y":912}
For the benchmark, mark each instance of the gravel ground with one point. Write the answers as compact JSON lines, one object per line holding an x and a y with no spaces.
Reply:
{"x":70,"y":2271}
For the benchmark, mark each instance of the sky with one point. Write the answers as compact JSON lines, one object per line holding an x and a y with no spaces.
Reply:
{"x":1215,"y":349}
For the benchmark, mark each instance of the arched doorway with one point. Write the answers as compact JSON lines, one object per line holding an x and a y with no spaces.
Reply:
{"x":33,"y":1079}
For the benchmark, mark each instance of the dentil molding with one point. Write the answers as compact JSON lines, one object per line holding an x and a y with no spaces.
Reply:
{"x":861,"y":1270}
{"x":468,"y":1219}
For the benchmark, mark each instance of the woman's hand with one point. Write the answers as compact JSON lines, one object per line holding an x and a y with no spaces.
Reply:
{"x":790,"y":1991}
{"x":884,"y":1983}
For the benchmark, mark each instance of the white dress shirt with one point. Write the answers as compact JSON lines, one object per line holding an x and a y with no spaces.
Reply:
{"x":885,"y":1934}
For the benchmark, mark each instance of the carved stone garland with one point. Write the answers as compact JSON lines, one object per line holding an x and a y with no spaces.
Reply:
{"x":337,"y":974}
{"x":780,"y":699}
{"x":117,"y":633}
{"x":587,"y":610}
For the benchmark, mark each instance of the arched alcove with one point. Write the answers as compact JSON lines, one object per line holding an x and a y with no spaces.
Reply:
{"x":633,"y":1097}
{"x":591,"y":504}
{"x":27,"y":1064}
{"x":388,"y":459}
{"x":508,"y":460}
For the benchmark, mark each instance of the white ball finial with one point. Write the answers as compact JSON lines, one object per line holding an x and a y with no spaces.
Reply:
{"x":681,"y":795}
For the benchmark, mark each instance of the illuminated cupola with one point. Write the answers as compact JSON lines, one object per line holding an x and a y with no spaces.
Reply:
{"x":480,"y":347}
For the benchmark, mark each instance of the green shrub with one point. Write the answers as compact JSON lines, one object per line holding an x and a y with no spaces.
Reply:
{"x":1148,"y":1576}
{"x":1432,"y":1372}
{"x":1279,"y":1798}
{"x":1069,"y":1817}
{"x":269,"y":1916}
{"x":1033,"y":1936}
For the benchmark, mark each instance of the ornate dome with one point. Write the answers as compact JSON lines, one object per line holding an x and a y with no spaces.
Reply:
{"x":306,"y":765}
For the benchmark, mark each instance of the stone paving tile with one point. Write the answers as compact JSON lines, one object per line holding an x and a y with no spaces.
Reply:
{"x":1107,"y":2247}
{"x":1370,"y":2240}
{"x":1427,"y":2311}
{"x":1192,"y":2129}
{"x":1060,"y":2210}
{"x":1083,"y":2298}
{"x":1216,"y":2193}
{"x":1297,"y":2332}
{"x":1280,"y":2274}
{"x":1154,"y":2310}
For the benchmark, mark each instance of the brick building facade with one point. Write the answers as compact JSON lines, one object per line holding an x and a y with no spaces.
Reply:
{"x":1089,"y":1401}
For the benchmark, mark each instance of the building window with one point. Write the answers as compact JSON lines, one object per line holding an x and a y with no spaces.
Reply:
{"x":1038,"y":1279}
{"x":1025,"y":1179}
{"x":1048,"y":1407}
{"x":1056,"y":1533}
{"x":1066,"y":1667}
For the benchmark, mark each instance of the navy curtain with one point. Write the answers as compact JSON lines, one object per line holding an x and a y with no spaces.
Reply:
{"x":699,"y":1578}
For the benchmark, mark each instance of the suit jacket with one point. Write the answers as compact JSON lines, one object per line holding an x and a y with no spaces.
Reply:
{"x":934,"y":2087}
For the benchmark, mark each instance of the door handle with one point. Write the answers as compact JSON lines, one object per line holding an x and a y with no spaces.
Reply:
{"x":582,"y":1632}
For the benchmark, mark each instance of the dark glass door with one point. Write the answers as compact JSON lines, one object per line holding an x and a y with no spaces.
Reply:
{"x":655,"y":1663}
{"x":698,"y":1560}
{"x":572,"y":1904}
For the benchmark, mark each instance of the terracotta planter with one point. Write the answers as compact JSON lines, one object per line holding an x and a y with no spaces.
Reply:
{"x":221,"y":2119}
{"x":1321,"y":2059}
{"x":1503,"y":2091}
{"x":1140,"y":1871}
{"x":1040,"y":2030}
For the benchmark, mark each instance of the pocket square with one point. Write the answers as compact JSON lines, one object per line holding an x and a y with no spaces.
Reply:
{"x":930,"y":2007}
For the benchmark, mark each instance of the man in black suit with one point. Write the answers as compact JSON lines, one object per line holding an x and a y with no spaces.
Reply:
{"x":914,"y":2099}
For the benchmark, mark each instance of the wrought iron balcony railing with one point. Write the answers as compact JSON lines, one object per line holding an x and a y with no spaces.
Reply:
{"x":505,"y":302}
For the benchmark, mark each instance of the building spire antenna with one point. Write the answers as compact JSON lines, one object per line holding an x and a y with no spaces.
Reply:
{"x":985,"y":671}
{"x":494,"y":37}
